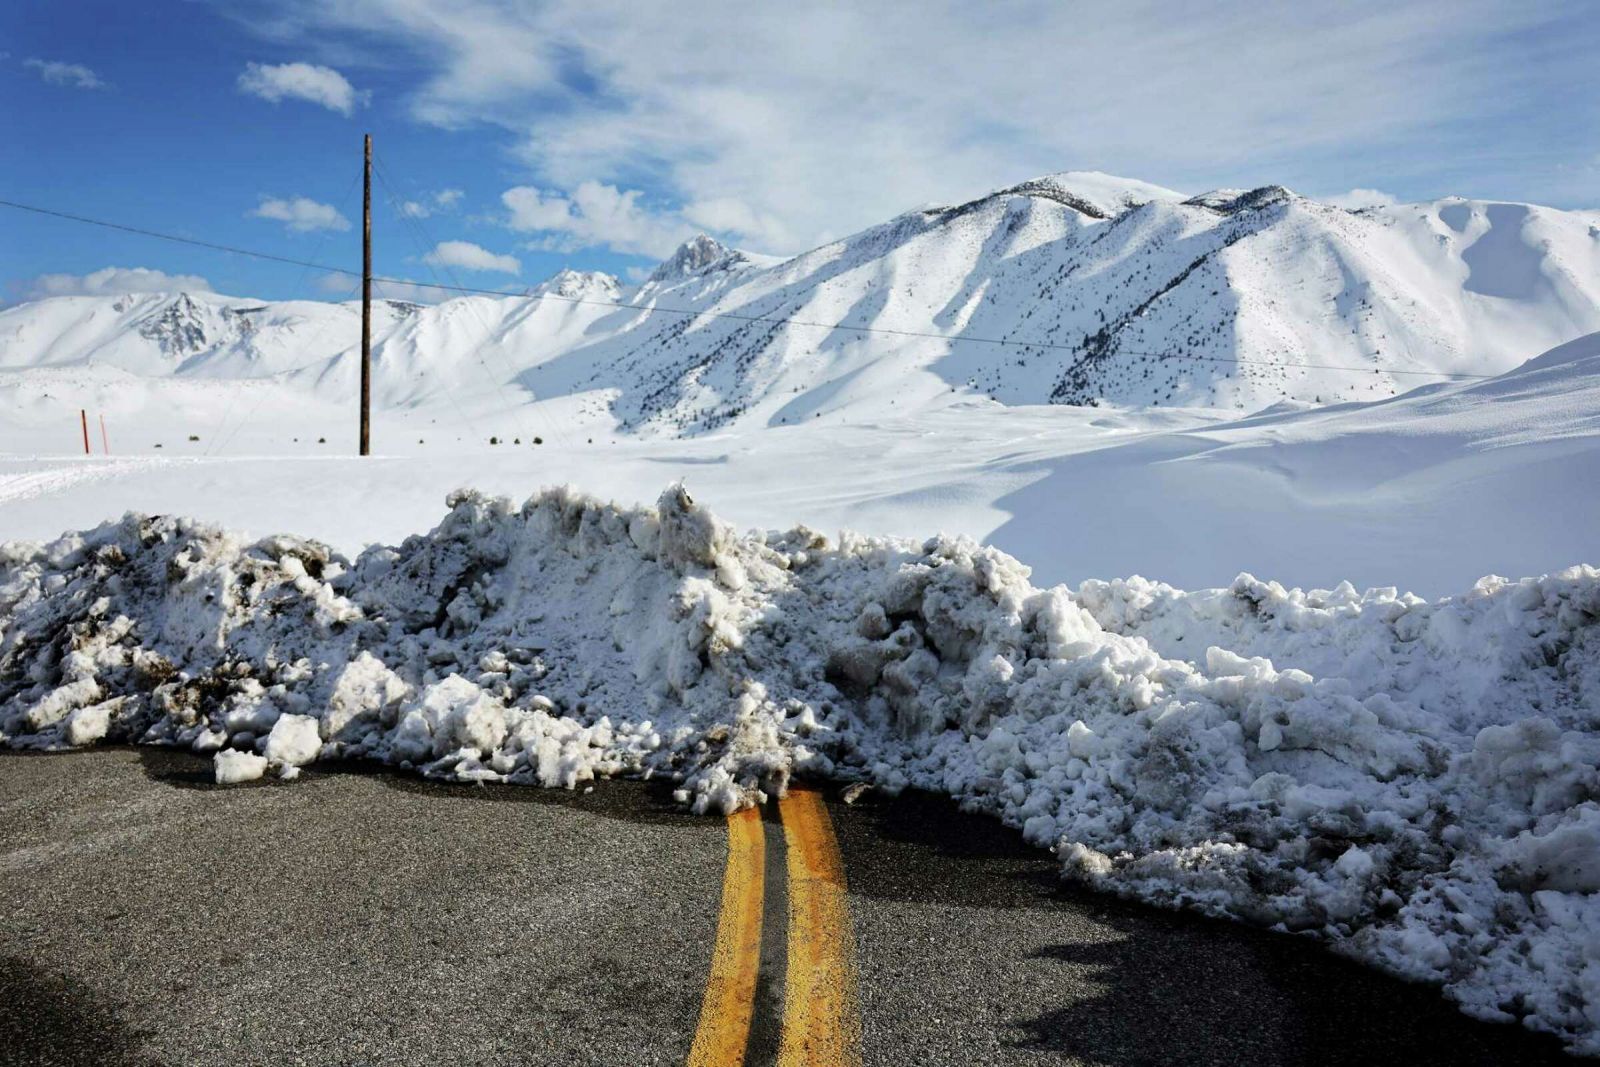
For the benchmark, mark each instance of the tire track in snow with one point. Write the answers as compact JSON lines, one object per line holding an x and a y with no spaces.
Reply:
{"x":28,"y":484}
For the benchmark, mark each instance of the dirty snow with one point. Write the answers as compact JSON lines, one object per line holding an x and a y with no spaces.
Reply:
{"x":1414,"y":781}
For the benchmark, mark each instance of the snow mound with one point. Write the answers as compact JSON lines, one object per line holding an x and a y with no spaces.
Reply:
{"x":1578,"y":351}
{"x":1413,"y":781}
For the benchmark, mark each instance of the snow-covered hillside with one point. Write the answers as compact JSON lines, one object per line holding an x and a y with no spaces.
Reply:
{"x":1228,"y":299}
{"x":1106,"y":290}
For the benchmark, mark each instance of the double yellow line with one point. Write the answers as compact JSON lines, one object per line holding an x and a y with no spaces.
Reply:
{"x":821,"y":1024}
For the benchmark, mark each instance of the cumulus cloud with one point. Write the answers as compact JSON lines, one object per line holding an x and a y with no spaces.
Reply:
{"x":534,"y":210}
{"x":1356,"y":199}
{"x":302,"y":81}
{"x":468,"y":256}
{"x":786,"y":138}
{"x":591,"y":215}
{"x":112,"y":280}
{"x":732,"y":216}
{"x":76,"y":75}
{"x":443,"y":200}
{"x":301,"y":214}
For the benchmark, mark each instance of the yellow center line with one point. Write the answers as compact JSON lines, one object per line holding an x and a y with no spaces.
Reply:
{"x":821,"y":1023}
{"x":729,"y":1002}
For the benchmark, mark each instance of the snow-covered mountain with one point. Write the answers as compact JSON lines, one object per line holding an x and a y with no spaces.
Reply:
{"x":1125,"y":294}
{"x":579,"y":285}
{"x":1074,"y":288}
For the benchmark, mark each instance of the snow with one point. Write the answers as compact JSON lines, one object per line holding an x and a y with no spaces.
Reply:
{"x":1427,"y":491}
{"x":1371,"y":743}
{"x":1107,"y":290}
{"x":233,"y":766}
{"x":1412,"y":780}
{"x":293,"y":741}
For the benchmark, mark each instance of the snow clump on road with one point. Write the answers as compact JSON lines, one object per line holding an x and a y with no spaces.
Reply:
{"x":1413,"y":781}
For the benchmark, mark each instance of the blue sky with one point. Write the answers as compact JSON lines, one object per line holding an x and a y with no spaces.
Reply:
{"x":531,"y":136}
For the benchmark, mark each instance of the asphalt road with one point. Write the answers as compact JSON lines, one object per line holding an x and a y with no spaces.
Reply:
{"x":372,"y":918}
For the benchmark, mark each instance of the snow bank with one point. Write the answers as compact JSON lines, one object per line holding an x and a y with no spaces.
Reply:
{"x":1415,"y":782}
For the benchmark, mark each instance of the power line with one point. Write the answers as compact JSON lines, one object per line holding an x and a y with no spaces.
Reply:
{"x":233,"y":397}
{"x":267,"y":381}
{"x":561,"y":427}
{"x":418,"y":230}
{"x":174,"y":237}
{"x":467,"y":427}
{"x":736,"y":316}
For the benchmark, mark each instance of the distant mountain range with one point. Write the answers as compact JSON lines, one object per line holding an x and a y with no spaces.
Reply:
{"x":1103,"y":290}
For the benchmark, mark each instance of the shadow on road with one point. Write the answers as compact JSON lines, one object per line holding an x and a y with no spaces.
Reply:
{"x":1151,"y":986}
{"x":977,"y":947}
{"x":629,"y":800}
{"x":979,"y":862}
{"x":61,"y":1021}
{"x":1223,"y":987}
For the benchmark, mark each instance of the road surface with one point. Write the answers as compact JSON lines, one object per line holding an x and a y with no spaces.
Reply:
{"x":363,"y":917}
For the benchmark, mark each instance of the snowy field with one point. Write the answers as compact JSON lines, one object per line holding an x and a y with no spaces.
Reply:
{"x":1426,"y":492}
{"x":1408,"y":777}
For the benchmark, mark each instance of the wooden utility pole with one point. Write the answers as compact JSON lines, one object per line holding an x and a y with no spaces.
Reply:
{"x":366,"y":300}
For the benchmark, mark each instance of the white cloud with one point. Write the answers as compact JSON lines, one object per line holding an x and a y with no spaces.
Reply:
{"x":788,"y":125}
{"x":113,"y":280}
{"x":594,"y":214}
{"x":300,"y":214}
{"x":443,"y":200}
{"x":302,"y":81}
{"x":468,"y":256}
{"x":730,"y":215}
{"x":534,"y":210}
{"x":1360,"y":198}
{"x":74,"y":74}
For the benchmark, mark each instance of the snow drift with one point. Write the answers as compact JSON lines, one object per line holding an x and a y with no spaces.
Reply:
{"x":1413,"y":781}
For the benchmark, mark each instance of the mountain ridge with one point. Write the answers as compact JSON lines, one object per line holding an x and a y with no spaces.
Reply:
{"x":1077,"y":288}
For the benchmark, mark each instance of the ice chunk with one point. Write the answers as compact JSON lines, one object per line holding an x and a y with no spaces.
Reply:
{"x":231,"y":765}
{"x":294,"y":741}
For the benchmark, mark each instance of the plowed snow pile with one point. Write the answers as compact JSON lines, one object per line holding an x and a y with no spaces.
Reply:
{"x":1414,"y":781}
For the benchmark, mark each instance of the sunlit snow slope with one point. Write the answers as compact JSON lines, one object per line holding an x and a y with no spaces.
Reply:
{"x":1108,"y":290}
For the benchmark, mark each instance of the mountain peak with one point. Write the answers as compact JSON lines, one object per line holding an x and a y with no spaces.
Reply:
{"x":579,"y":284}
{"x":698,"y":255}
{"x":178,"y":325}
{"x":1095,"y":193}
{"x":1233,"y":201}
{"x":1088,"y":192}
